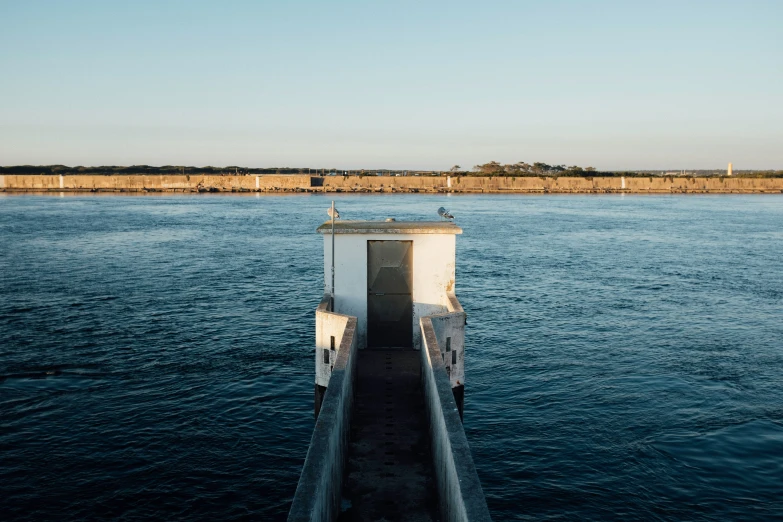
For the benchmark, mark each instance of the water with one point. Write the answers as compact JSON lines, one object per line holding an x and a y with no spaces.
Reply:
{"x":625,"y":354}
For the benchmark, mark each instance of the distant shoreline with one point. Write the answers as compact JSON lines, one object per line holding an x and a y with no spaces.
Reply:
{"x":270,"y":183}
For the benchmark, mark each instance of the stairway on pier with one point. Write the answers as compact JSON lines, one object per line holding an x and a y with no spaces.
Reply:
{"x":389,"y":473}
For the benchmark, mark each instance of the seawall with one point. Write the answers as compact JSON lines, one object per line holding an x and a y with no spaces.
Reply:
{"x":386,"y":184}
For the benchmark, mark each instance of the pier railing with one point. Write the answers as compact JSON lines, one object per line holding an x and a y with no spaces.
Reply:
{"x":329,"y":331}
{"x":459,"y":489}
{"x":317,"y":496}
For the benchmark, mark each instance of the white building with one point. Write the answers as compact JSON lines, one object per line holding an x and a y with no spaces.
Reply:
{"x":388,"y":274}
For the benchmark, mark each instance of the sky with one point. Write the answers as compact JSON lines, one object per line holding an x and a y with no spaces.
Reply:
{"x":408,"y":85}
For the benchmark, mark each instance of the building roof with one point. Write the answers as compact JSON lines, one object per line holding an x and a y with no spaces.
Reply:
{"x":390,"y":227}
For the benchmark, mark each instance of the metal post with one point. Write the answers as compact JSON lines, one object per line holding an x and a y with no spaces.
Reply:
{"x":333,"y":256}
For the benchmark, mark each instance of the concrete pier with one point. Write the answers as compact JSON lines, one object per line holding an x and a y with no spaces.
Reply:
{"x":389,"y":473}
{"x":388,"y":442}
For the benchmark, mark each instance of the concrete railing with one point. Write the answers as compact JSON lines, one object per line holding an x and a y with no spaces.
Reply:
{"x":459,"y":489}
{"x":450,"y":334}
{"x":329,"y":331}
{"x":317,"y":496}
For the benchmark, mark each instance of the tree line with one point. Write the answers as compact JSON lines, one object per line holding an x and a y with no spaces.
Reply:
{"x":492,"y":168}
{"x":523,"y":169}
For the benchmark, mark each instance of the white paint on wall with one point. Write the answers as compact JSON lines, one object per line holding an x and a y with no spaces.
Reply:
{"x":61,"y":181}
{"x":258,"y":183}
{"x":448,"y":181}
{"x":327,"y":325}
{"x":450,"y":334}
{"x":434,"y":258}
{"x":622,"y":182}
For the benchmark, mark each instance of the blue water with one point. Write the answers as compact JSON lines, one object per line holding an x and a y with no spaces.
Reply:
{"x":625,"y":353}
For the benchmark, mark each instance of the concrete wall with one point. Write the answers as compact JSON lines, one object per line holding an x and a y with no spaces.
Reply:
{"x":327,"y":325}
{"x":459,"y":490}
{"x":615,"y":184}
{"x":450,"y":334}
{"x":317,"y":496}
{"x":141,"y":183}
{"x":433,"y":275}
{"x":384,"y":183}
{"x":300,"y":183}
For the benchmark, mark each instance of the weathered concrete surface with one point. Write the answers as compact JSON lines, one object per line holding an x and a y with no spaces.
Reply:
{"x":318,"y":493}
{"x":385,"y":183}
{"x":595,"y":185}
{"x":328,"y":325}
{"x":450,"y":334}
{"x":389,"y":227}
{"x":155,"y":183}
{"x":389,"y":473}
{"x":389,"y":184}
{"x":459,"y":490}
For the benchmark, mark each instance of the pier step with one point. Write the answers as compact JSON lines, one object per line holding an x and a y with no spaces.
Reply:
{"x":389,"y":473}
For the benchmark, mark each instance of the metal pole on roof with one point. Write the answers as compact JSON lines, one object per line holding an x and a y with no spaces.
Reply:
{"x":333,"y":256}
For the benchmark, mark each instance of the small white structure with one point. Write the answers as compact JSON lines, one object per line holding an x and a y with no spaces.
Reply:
{"x":387,"y":274}
{"x":382,"y":266}
{"x":730,"y":170}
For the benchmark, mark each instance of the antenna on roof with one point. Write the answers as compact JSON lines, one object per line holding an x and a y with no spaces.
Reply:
{"x":334,"y":214}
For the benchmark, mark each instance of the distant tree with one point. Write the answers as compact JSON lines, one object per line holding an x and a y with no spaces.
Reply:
{"x":523,"y":167}
{"x":493,"y":167}
{"x":541,"y":168}
{"x":456,"y":168}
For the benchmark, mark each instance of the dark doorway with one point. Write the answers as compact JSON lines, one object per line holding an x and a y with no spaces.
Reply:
{"x":390,"y":294}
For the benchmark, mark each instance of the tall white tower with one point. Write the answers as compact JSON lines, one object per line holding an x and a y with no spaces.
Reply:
{"x":730,"y":170}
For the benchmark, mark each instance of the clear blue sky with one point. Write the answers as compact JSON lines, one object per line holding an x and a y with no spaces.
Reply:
{"x":631,"y":84}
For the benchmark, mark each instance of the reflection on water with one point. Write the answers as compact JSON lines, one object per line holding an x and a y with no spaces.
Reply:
{"x":623,"y":352}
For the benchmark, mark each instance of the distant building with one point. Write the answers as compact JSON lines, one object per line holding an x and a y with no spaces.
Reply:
{"x":730,"y":170}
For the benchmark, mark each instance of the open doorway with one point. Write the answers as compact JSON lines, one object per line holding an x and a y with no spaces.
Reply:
{"x":390,"y":294}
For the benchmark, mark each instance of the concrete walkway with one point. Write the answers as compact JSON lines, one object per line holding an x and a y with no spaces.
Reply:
{"x":389,"y":473}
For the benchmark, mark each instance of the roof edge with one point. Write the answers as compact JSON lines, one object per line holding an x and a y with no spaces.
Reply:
{"x":390,"y":227}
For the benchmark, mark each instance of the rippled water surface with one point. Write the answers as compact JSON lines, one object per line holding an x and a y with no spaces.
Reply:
{"x":625,"y":354}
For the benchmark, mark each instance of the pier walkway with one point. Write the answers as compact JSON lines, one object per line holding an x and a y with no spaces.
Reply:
{"x":388,"y":442}
{"x":389,"y":472}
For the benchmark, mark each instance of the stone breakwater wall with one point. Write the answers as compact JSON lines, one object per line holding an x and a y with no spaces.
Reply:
{"x":154,"y":183}
{"x":410,"y":184}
